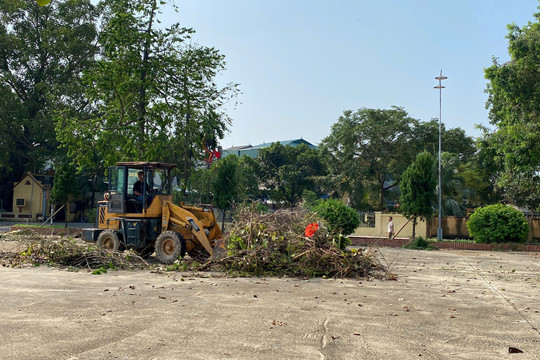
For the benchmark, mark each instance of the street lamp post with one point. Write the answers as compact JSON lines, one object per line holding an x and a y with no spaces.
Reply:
{"x":440,"y":87}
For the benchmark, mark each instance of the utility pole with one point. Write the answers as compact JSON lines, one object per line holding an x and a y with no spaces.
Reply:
{"x":440,"y":87}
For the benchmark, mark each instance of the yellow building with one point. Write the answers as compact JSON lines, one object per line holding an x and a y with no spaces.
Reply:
{"x":31,"y":198}
{"x":402,"y":227}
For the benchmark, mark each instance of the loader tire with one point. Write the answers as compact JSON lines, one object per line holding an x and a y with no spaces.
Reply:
{"x":200,"y":255}
{"x":109,"y":241}
{"x":170,"y":246}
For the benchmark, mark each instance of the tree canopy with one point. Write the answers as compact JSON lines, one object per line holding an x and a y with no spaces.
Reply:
{"x":286,"y":171}
{"x":106,"y":83}
{"x":372,"y":145}
{"x":43,"y":52}
{"x":514,"y":108}
{"x":368,"y":150}
{"x":151,"y":94}
{"x":454,"y":141}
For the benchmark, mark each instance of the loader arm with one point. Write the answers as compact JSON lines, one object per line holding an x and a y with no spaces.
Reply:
{"x":180,"y":217}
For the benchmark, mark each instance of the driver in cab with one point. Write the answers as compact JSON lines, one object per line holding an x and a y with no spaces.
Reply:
{"x":138,"y":189}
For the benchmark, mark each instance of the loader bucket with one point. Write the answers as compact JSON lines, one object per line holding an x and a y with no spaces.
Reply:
{"x":219,"y":249}
{"x":175,"y":214}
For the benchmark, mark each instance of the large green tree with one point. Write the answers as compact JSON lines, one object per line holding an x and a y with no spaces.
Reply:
{"x":454,"y":141}
{"x":368,"y":150}
{"x":372,"y":146}
{"x":418,"y":189}
{"x":150,"y":93}
{"x":286,"y":171}
{"x":191,"y":92}
{"x":43,"y":51}
{"x":481,"y":173}
{"x":514,"y":108}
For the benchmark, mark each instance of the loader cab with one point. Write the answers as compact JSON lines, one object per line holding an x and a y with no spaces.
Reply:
{"x":157,"y":180}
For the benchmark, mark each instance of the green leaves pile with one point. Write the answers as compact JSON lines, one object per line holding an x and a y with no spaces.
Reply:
{"x":66,"y":252}
{"x":274,"y":244}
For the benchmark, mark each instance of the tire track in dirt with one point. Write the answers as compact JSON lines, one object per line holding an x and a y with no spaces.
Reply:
{"x":119,"y":338}
{"x":324,"y":338}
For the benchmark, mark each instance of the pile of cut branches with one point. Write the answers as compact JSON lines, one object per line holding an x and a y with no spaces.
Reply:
{"x":71,"y":253}
{"x":275,"y":244}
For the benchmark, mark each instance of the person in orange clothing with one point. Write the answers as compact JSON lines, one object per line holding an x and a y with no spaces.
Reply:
{"x":311,"y":229}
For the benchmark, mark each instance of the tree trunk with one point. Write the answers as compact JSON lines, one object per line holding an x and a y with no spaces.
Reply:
{"x":381,"y":197}
{"x":142,"y":89}
{"x":186,"y":152}
{"x":414,"y":228}
{"x":65,"y":215}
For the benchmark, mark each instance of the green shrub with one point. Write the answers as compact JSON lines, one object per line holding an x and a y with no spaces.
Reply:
{"x":497,"y":224}
{"x":91,"y":215}
{"x":340,"y":219}
{"x":261,"y":208}
{"x":420,"y":244}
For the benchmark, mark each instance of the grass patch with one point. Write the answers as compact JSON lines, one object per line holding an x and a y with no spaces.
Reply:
{"x":467,"y":241}
{"x":103,"y":269}
{"x":40,"y":226}
{"x":434,"y":240}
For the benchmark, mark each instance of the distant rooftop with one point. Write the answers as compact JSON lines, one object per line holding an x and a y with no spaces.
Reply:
{"x":253,"y":151}
{"x":241,"y":147}
{"x":294,"y":142}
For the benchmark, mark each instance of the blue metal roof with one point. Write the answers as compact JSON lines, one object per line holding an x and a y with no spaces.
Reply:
{"x":253,"y":151}
{"x":294,"y":142}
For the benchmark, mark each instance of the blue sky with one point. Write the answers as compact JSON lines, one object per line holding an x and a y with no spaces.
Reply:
{"x":301,"y":63}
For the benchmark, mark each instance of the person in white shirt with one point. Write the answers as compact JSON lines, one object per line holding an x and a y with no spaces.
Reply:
{"x":390,"y":228}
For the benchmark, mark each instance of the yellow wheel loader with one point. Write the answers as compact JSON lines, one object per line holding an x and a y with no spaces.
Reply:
{"x":138,"y":214}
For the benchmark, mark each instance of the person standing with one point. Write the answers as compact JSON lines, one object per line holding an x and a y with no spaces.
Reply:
{"x":390,"y":230}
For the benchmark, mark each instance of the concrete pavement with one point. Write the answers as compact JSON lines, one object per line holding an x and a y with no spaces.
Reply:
{"x":444,"y":305}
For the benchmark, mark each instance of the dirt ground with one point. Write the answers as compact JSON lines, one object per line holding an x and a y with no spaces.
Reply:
{"x":443,"y":305}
